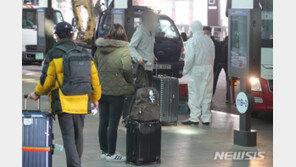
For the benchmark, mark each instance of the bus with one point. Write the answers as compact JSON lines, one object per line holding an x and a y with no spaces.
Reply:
{"x":262,"y":87}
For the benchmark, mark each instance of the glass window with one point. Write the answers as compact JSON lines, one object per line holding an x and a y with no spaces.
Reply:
{"x":107,"y":22}
{"x":166,"y":30}
{"x":137,"y":22}
{"x":29,"y":20}
{"x":58,"y":17}
{"x":239,"y":41}
{"x":267,"y":19}
{"x":212,"y":2}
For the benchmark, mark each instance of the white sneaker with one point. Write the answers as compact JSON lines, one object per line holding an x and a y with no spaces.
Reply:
{"x":103,"y":156}
{"x":116,"y":158}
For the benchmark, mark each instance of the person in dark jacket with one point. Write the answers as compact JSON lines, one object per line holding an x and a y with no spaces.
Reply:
{"x":221,"y":51}
{"x":208,"y":31}
{"x":114,"y":64}
{"x":223,"y":63}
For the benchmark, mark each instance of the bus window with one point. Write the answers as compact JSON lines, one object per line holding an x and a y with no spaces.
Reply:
{"x":267,"y":19}
{"x":29,"y":20}
{"x":107,"y":22}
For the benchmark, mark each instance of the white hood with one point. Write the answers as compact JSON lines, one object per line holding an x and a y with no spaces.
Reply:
{"x":197,"y":28}
{"x":199,"y":51}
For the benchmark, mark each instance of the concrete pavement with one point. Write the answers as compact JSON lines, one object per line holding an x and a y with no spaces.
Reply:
{"x":182,"y":146}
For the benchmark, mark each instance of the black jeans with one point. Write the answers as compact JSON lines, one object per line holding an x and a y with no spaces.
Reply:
{"x":217,"y":70}
{"x":72,"y":131}
{"x":150,"y":77}
{"x":110,"y":113}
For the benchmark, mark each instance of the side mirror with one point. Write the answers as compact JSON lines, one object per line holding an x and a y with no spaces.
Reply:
{"x":184,"y":36}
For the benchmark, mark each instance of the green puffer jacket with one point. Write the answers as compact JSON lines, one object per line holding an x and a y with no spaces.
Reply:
{"x":114,"y":65}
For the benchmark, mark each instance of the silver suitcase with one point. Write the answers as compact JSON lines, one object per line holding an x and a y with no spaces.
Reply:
{"x":168,"y":88}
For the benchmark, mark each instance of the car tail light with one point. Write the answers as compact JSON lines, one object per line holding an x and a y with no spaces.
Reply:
{"x":182,"y":56}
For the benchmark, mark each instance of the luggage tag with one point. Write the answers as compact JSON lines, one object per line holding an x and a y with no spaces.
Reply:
{"x":28,"y":121}
{"x":151,"y":96}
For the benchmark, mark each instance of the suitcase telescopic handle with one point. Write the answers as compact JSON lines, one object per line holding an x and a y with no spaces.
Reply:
{"x":156,"y":68}
{"x":26,"y":101}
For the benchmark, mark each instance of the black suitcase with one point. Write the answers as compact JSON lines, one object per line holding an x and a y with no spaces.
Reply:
{"x":37,"y":138}
{"x":143,"y":142}
{"x":168,"y":88}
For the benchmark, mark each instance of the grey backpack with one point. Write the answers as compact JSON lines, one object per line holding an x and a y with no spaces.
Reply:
{"x":77,"y":71}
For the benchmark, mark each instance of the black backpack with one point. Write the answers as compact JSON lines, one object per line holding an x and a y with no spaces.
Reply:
{"x":143,"y":106}
{"x":76,"y":70}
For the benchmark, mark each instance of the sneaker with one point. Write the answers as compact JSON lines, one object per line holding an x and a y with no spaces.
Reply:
{"x":116,"y":158}
{"x":206,"y":123}
{"x":103,"y":156}
{"x":188,"y":122}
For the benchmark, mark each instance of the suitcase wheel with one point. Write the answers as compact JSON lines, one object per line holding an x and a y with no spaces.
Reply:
{"x":139,"y":163}
{"x":52,"y":145}
{"x":158,"y":161}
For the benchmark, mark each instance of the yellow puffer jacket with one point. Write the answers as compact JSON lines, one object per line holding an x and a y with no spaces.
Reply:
{"x":52,"y":73}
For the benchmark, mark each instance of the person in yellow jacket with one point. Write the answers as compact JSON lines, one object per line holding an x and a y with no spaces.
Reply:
{"x":71,"y":110}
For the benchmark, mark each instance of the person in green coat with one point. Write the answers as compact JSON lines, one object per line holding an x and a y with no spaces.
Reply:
{"x":114,"y":64}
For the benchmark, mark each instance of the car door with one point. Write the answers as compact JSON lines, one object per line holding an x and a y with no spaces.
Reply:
{"x":58,"y":17}
{"x":168,"y":43}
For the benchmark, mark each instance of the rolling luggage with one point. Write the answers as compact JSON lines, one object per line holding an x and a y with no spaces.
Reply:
{"x":37,"y":137}
{"x":143,"y":142}
{"x":168,"y":88}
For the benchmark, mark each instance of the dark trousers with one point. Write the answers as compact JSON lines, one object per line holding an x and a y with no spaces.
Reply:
{"x":217,"y":70}
{"x":72,"y":132}
{"x":150,"y":77}
{"x":110,"y":113}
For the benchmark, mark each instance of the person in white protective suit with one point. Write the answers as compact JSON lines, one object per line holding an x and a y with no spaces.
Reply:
{"x":199,"y":62}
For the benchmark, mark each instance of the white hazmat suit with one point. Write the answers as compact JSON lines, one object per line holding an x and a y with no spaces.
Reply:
{"x":199,"y":62}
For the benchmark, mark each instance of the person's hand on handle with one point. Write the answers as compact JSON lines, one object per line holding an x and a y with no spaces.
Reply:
{"x":141,"y":60}
{"x":155,"y":59}
{"x":33,"y":96}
